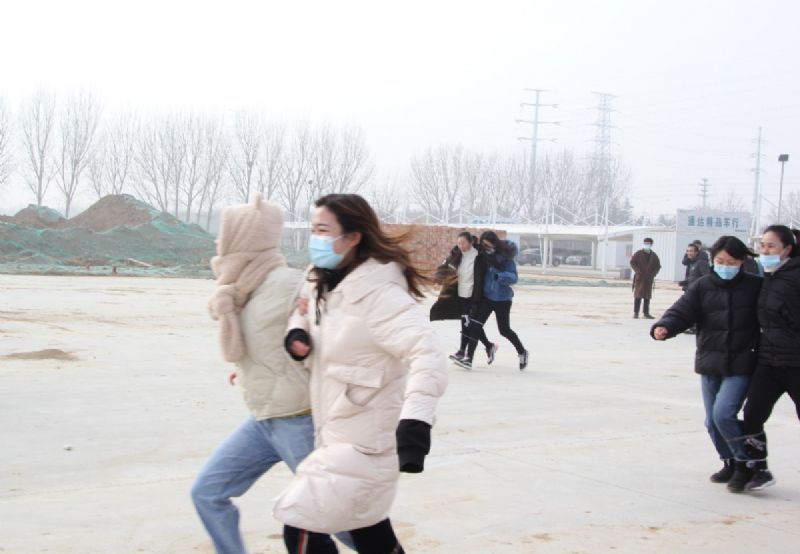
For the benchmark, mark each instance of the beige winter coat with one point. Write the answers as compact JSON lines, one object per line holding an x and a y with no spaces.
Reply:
{"x":273,"y":384}
{"x":375,"y":360}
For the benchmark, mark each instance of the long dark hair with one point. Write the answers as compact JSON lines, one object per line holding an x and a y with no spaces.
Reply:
{"x":501,"y":247}
{"x":787,"y":236}
{"x":355,"y":214}
{"x":733,"y":246}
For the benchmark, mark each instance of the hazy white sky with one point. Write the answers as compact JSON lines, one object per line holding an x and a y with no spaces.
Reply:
{"x":694,"y":79}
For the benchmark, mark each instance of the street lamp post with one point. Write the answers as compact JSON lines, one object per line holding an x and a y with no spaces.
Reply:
{"x":783,"y":158}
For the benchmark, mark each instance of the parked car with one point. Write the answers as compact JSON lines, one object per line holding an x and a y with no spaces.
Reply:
{"x":577,"y":259}
{"x":529,"y":256}
{"x":533,"y":256}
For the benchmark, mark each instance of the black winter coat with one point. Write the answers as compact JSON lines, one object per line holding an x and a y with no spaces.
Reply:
{"x":694,"y":270}
{"x":727,"y":326}
{"x":779,"y":316}
{"x":449,"y":305}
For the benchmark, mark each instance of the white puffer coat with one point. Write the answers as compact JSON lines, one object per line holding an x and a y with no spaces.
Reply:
{"x":273,"y":384}
{"x":375,"y":360}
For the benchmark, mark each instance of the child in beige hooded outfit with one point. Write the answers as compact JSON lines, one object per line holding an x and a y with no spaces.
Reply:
{"x":252,"y":302}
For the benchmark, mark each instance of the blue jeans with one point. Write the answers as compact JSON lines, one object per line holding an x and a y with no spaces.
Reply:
{"x":237,"y":463}
{"x":723,"y":398}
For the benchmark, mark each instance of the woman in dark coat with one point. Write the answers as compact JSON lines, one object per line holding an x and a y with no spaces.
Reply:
{"x":461,"y":277}
{"x":723,"y":306}
{"x":778,"y":370}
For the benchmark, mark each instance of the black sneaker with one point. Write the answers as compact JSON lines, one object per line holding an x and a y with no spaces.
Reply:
{"x":464,"y":363}
{"x":741,"y":475}
{"x":458,"y":356}
{"x":523,"y":360}
{"x":635,"y":316}
{"x":648,"y":316}
{"x":761,"y":479}
{"x":724,"y":475}
{"x":491,"y":351}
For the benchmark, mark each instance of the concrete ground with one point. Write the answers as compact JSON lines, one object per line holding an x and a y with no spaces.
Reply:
{"x":114,"y":393}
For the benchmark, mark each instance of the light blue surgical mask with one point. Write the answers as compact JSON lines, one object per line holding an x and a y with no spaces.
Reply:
{"x":769,"y":262}
{"x":647,"y":247}
{"x":726,"y":272}
{"x":321,"y":252}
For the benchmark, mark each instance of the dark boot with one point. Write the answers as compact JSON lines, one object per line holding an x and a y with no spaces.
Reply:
{"x":724,"y":475}
{"x":761,"y":479}
{"x":741,"y":475}
{"x":646,"y":309}
{"x":637,"y":304}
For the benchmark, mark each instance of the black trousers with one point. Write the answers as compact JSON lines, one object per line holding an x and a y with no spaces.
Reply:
{"x":502,"y":313}
{"x":466,"y":303}
{"x":376,"y":539}
{"x":766,"y":386}
{"x":637,"y":302}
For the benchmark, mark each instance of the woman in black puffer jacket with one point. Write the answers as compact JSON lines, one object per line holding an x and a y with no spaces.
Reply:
{"x":723,"y":305}
{"x":778,"y":368}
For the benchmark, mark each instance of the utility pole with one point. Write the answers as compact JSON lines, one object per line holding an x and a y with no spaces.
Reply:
{"x":534,"y":138}
{"x":704,"y":191}
{"x":756,"y":225}
{"x":602,"y":159}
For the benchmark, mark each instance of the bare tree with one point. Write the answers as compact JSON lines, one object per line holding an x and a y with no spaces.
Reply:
{"x":113,"y":163}
{"x":385,"y":198}
{"x":351,"y":167}
{"x":78,"y":123}
{"x":438,"y":180}
{"x":248,"y":135}
{"x":153,"y":172}
{"x":296,"y":173}
{"x":6,"y":155}
{"x":194,"y":137}
{"x":271,"y":160}
{"x":215,"y":163}
{"x":175,"y":141}
{"x":37,"y":121}
{"x":731,"y":203}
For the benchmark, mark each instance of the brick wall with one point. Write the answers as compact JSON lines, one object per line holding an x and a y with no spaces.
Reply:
{"x":430,"y":244}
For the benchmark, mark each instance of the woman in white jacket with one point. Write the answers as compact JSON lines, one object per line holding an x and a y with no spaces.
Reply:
{"x":377,"y":372}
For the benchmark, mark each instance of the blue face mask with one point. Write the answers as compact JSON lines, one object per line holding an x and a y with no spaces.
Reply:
{"x":321,"y":252}
{"x":647,"y":247}
{"x":769,"y":262}
{"x":726,"y":272}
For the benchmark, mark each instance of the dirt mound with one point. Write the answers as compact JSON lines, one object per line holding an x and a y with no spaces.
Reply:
{"x":116,"y":210}
{"x":40,"y":217}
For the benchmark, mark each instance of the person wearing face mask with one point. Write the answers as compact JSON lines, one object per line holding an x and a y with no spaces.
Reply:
{"x":461,"y":277}
{"x":723,"y":306}
{"x":377,"y":372}
{"x":778,"y":370}
{"x":645,"y":265}
{"x":501,"y":273}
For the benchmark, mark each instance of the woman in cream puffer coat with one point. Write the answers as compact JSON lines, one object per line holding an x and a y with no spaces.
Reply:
{"x":377,"y":372}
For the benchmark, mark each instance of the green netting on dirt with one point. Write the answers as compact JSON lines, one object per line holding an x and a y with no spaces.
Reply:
{"x":116,"y":231}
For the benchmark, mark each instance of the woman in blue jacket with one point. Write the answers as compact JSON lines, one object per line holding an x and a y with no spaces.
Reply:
{"x":501,"y":273}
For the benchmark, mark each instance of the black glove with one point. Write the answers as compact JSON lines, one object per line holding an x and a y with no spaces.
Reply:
{"x":413,"y":443}
{"x":293,"y":335}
